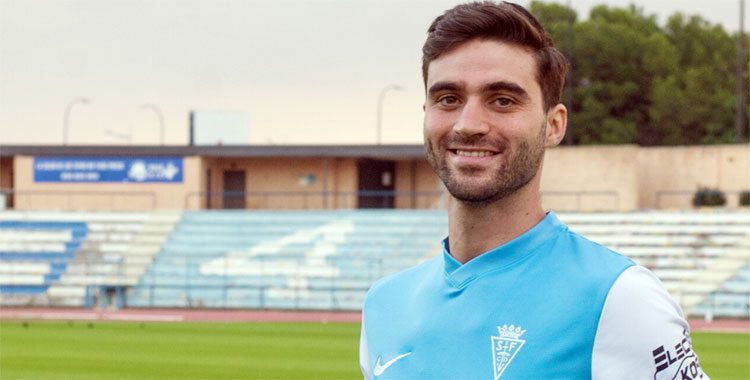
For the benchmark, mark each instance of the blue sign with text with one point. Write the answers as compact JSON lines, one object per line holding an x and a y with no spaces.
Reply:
{"x":108,"y":169}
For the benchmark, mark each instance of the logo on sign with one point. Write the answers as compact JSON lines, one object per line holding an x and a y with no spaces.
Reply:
{"x":141,"y":171}
{"x":505,"y":346}
{"x":108,"y":169}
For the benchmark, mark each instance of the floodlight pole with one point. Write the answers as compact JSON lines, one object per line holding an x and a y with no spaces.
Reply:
{"x":161,"y":120}
{"x":66,"y":116}
{"x":380,"y":110}
{"x":739,"y":120}
{"x":569,"y":79}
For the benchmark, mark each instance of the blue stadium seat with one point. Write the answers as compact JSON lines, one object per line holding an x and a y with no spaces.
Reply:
{"x":34,"y":254}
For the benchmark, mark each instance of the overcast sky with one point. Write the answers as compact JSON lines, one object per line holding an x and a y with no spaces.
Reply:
{"x":299,"y":71}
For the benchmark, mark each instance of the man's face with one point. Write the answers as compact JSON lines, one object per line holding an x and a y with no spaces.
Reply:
{"x":484,"y":125}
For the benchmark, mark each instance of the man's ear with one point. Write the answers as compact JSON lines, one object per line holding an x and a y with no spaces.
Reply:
{"x":557,"y":123}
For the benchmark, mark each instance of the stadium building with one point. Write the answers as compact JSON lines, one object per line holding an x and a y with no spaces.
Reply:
{"x":312,"y":227}
{"x":346,"y":177}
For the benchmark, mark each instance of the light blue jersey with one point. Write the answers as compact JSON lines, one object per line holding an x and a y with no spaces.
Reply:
{"x":529,"y":309}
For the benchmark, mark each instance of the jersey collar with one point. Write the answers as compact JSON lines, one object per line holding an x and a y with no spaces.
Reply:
{"x":460,"y":275}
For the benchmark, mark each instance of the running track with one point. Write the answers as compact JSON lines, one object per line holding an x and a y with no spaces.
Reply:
{"x":180,"y":315}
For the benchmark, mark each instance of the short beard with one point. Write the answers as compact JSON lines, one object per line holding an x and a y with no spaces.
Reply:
{"x":520,"y":168}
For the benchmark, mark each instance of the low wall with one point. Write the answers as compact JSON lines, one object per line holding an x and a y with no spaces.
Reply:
{"x":670,"y":175}
{"x":626,"y":177}
{"x":591,"y":178}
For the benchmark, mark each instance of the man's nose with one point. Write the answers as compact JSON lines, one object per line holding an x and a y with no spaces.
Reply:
{"x":473,"y":120}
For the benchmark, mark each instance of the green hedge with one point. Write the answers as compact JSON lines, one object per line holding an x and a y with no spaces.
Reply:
{"x":709,"y":197}
{"x":745,"y":198}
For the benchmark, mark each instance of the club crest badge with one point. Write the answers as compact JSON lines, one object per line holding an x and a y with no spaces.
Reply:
{"x":505,"y":346}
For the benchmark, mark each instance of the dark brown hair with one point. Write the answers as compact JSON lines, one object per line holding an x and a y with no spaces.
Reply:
{"x":505,"y":22}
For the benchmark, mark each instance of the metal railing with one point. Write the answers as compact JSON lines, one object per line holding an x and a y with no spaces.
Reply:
{"x":79,"y":200}
{"x":307,"y":200}
{"x":578,"y":195}
{"x":716,"y":309}
{"x":689,"y":194}
{"x":298,"y":292}
{"x":328,"y":298}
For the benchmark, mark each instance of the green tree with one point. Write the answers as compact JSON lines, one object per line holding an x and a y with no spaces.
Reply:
{"x":696,"y":102}
{"x":636,"y":82}
{"x":617,"y":55}
{"x":555,"y":19}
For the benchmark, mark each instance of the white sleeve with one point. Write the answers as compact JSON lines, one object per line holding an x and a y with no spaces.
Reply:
{"x":642,"y":333}
{"x":364,"y":354}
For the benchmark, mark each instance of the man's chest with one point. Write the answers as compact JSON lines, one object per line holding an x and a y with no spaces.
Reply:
{"x":480,"y":336}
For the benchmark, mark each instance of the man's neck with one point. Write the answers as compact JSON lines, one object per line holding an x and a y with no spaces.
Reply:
{"x":475,"y":230}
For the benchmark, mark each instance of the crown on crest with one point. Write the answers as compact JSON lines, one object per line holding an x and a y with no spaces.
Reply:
{"x":510,"y":332}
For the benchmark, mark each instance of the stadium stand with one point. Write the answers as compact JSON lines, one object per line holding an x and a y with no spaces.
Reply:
{"x":34,"y":254}
{"x":693,"y":253}
{"x":91,"y":255}
{"x":732,"y":299}
{"x":327,"y":259}
{"x":285,"y":259}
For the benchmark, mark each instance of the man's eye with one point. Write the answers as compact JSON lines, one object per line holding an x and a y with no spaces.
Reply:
{"x":448,"y":100}
{"x":504,"y":102}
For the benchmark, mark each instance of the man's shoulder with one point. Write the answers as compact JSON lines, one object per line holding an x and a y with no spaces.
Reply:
{"x":577,"y":246}
{"x":406,"y":278}
{"x":593,"y":250}
{"x":641,"y":331}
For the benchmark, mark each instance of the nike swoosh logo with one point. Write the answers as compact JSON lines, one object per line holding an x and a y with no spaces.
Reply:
{"x":379,"y":369}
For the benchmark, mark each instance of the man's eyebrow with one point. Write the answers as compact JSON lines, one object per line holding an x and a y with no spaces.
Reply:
{"x":490,"y":87}
{"x":443,"y":86}
{"x":507,"y":87}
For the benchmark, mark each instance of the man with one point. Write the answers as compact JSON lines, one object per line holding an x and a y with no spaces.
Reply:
{"x":515,"y":294}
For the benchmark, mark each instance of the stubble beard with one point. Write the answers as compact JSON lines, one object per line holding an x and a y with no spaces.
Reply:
{"x":516,"y":171}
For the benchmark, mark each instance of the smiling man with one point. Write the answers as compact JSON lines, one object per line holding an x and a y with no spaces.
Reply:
{"x":514,"y":294}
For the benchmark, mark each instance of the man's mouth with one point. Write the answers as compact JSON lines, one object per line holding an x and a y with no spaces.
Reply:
{"x":473,"y":153}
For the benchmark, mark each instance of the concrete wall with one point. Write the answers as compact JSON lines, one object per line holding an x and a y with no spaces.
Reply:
{"x":276,"y":183}
{"x":344,"y":181}
{"x":633,"y":177}
{"x":283,"y":183}
{"x":417,"y":178}
{"x":591,"y":178}
{"x":670,"y":175}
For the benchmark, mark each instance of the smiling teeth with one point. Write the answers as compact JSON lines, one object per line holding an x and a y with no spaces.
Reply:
{"x":473,"y":153}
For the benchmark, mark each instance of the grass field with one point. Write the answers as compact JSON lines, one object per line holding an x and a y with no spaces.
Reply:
{"x":58,"y":350}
